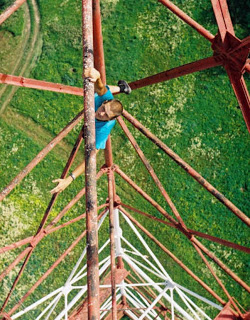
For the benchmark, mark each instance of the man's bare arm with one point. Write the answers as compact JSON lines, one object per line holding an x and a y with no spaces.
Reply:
{"x":100,"y":88}
{"x":64,"y":183}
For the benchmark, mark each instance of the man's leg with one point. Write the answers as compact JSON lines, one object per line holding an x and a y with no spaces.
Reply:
{"x":122,"y":87}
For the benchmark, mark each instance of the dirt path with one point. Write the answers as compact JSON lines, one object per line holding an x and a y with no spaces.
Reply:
{"x":33,"y":47}
{"x":32,"y":129}
{"x":25,"y":37}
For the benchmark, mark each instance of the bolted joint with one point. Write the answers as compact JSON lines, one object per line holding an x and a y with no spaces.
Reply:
{"x":232,"y":51}
{"x":36,"y":239}
{"x":114,"y":167}
{"x":5,"y":316}
{"x":104,"y":168}
{"x":117,"y":201}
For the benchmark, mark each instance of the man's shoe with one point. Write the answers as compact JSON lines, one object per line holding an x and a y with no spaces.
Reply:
{"x":124,"y":87}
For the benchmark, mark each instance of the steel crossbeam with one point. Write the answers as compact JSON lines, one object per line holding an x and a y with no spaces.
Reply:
{"x":229,"y":52}
{"x":11,"y":9}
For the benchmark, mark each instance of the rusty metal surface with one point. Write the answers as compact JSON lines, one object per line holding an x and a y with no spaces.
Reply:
{"x":226,"y":314}
{"x":120,"y":313}
{"x":81,"y":312}
{"x":169,"y":253}
{"x":188,"y":68}
{"x":221,"y":264}
{"x":222,"y":17}
{"x":40,"y":156}
{"x":146,"y":196}
{"x":151,"y":172}
{"x":217,"y":279}
{"x":179,"y":227}
{"x":90,"y":165}
{"x":240,"y":89}
{"x":39,"y":84}
{"x":182,"y":15}
{"x":49,"y":271}
{"x":98,"y":40}
{"x":230,"y":52}
{"x":11,"y":9}
{"x":112,"y":242}
{"x":39,"y":234}
{"x":187,"y":168}
{"x":46,"y":274}
{"x":194,"y":232}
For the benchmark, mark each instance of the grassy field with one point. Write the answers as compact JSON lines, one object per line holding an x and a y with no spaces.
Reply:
{"x":196,"y":116}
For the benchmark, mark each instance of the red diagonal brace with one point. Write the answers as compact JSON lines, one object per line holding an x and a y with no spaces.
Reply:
{"x":81,"y":311}
{"x":177,"y":72}
{"x":241,"y":92}
{"x":11,"y":9}
{"x":183,"y":16}
{"x":222,"y":17}
{"x":226,"y":314}
{"x":39,"y":84}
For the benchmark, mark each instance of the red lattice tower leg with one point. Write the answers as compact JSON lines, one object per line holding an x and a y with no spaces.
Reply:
{"x":229,"y":52}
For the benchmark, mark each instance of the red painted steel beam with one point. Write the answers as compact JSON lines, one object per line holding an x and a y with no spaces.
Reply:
{"x":183,"y":16}
{"x":17,"y":279}
{"x":212,"y":256}
{"x":38,"y":237}
{"x":244,"y":43}
{"x":151,"y":172}
{"x":80,"y":312}
{"x":120,"y":313}
{"x":147,"y":295}
{"x":46,"y":274}
{"x":191,"y":238}
{"x":39,"y":84}
{"x":78,"y":218}
{"x":146,"y":196}
{"x":217,"y":279}
{"x":16,"y":245}
{"x":112,"y":242}
{"x":147,"y":291}
{"x":63,"y":175}
{"x":90,"y":165}
{"x":21,"y":256}
{"x":222,"y":17}
{"x":98,"y":40}
{"x":41,"y":233}
{"x":47,"y":230}
{"x":41,"y":155}
{"x":99,"y":62}
{"x":171,"y":255}
{"x":194,"y":232}
{"x":180,"y":71}
{"x":241,"y":92}
{"x":11,"y":9}
{"x":203,"y":182}
{"x":227,"y":314}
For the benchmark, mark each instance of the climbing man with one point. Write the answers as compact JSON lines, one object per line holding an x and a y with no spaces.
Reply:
{"x":106,"y":110}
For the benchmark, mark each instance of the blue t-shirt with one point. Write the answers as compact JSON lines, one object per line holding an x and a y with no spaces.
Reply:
{"x":103,"y":128}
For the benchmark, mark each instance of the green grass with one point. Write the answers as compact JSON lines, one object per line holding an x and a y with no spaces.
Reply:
{"x":196,"y":115}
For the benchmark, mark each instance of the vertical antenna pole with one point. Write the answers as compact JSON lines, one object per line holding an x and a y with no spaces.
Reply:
{"x":100,"y":66}
{"x":100,"y":63}
{"x":112,"y":242}
{"x":90,"y":165}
